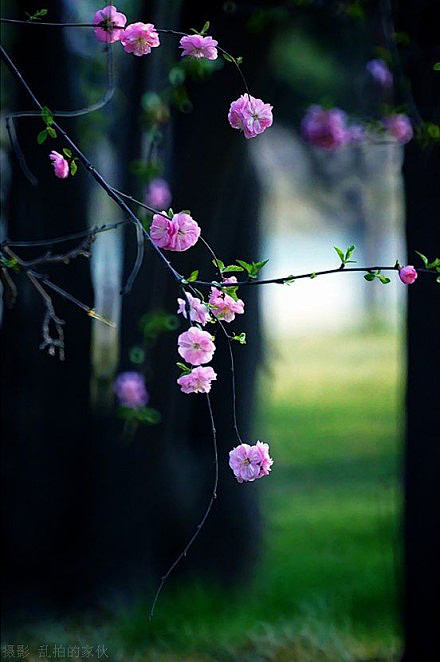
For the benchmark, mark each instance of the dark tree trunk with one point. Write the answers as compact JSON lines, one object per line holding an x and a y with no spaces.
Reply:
{"x":47,"y":481}
{"x":422,"y":462}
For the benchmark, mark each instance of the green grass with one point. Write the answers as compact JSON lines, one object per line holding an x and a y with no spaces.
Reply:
{"x":326,"y":585}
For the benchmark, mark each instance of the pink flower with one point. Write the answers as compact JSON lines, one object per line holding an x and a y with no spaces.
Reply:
{"x":399,"y":126}
{"x":60,"y":164}
{"x":198,"y":380}
{"x":198,"y":46}
{"x":407,"y":274}
{"x":158,"y":194}
{"x":130,"y":389}
{"x":196,"y":346}
{"x":250,"y":462}
{"x":378,"y":69}
{"x":198,"y":311}
{"x":250,"y":115}
{"x":140,"y":38}
{"x":225,"y":307}
{"x":113,"y":23}
{"x":176,"y":234}
{"x":325,"y":128}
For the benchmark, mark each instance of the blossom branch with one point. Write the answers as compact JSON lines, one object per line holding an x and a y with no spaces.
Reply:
{"x":184,"y":552}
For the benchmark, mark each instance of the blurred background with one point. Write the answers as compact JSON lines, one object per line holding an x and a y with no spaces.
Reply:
{"x":307,"y":564}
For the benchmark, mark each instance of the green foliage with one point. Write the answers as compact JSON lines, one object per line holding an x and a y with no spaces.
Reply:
{"x":73,"y":167}
{"x":10,"y":263}
{"x":47,"y":116}
{"x":184,"y":368}
{"x":432,"y":266}
{"x":137,"y":355}
{"x":373,"y":275}
{"x":37,"y":15}
{"x":146,"y":415}
{"x":345,"y":257}
{"x":252,"y":268}
{"x":241,"y":338}
{"x":42,"y":136}
{"x":436,"y":66}
{"x":156,"y":322}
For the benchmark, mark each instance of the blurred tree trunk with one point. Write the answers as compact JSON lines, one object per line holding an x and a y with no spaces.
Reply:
{"x":46,"y":466}
{"x":422,"y":464}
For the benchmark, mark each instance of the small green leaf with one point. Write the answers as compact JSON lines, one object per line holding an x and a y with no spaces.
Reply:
{"x":313,"y":275}
{"x":434,"y":264}
{"x":170,"y":213}
{"x":73,"y":168}
{"x":424,"y":258}
{"x":47,"y":116}
{"x":340,"y":253}
{"x":228,"y":57}
{"x":370,"y":277}
{"x":239,"y":60}
{"x":436,"y":66}
{"x":51,"y":132}
{"x":218,"y":264}
{"x":349,"y":252}
{"x":67,"y":152}
{"x":383,"y":279}
{"x":241,"y":338}
{"x":437,"y":280}
{"x":205,"y":28}
{"x":194,"y":275}
{"x":289,"y":280}
{"x":184,"y":368}
{"x":231,"y":268}
{"x":42,"y":136}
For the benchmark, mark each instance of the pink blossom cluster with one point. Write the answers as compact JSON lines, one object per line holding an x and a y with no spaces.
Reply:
{"x":198,"y":311}
{"x":198,"y":380}
{"x":158,"y":194}
{"x":60,"y":164}
{"x":196,"y":45}
{"x":137,"y":38}
{"x":174,"y":234}
{"x":250,"y":462}
{"x":223,"y":306}
{"x":130,"y":389}
{"x":250,"y":115}
{"x":407,"y":274}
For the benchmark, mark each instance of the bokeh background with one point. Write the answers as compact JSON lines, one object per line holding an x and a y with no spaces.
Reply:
{"x":307,"y":564}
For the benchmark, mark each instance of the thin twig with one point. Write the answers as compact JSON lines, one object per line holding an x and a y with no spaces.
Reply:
{"x":184,"y":552}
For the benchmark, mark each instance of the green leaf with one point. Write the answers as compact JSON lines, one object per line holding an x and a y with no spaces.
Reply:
{"x":51,"y":131}
{"x":436,"y":66}
{"x":424,"y":258}
{"x":239,"y":60}
{"x":340,"y":253}
{"x":289,"y":280}
{"x":228,"y":57}
{"x":437,"y":280}
{"x":218,"y":264}
{"x":241,"y":338}
{"x":383,"y":279}
{"x":231,"y":268}
{"x":349,"y":252}
{"x":67,"y":152}
{"x":42,"y":136}
{"x":205,"y":28}
{"x":194,"y":275}
{"x":47,"y":116}
{"x":313,"y":275}
{"x":434,"y":264}
{"x":184,"y":368}
{"x":370,"y":277}
{"x":73,"y":168}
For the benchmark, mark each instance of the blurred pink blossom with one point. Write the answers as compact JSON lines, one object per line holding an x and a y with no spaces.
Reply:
{"x":407,"y":274}
{"x":158,"y":194}
{"x":130,"y":389}
{"x":325,"y":128}
{"x":399,"y":126}
{"x":198,"y":311}
{"x":140,"y":38}
{"x":196,"y":346}
{"x":250,"y":462}
{"x":198,"y":380}
{"x":198,"y":46}
{"x":250,"y":115}
{"x":60,"y":164}
{"x":378,"y":69}
{"x":109,"y":17}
